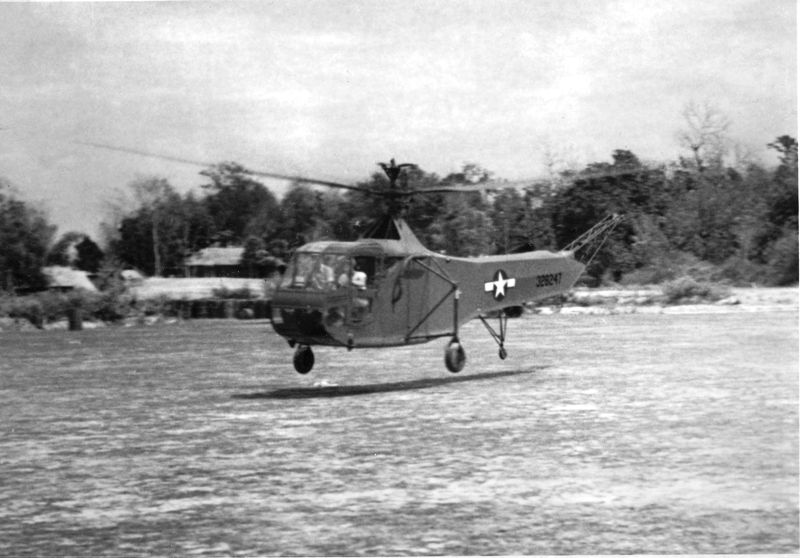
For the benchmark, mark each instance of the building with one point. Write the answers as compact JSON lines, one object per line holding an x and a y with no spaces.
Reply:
{"x":63,"y":279}
{"x":216,"y":262}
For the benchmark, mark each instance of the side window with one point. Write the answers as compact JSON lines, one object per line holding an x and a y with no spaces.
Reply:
{"x":365,"y":265}
{"x":299,"y":269}
{"x":341,"y":269}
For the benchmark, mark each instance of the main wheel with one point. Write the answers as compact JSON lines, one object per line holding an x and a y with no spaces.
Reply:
{"x":454,"y":357}
{"x":303,"y":359}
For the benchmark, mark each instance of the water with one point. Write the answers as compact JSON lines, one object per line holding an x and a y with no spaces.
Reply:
{"x":615,"y":434}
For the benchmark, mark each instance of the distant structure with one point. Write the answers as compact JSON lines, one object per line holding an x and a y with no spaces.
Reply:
{"x":216,"y":262}
{"x":64,"y":279}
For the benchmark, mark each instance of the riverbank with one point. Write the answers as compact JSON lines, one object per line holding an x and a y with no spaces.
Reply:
{"x":644,"y":300}
{"x":652,"y":300}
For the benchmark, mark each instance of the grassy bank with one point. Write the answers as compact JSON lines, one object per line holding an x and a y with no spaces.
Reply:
{"x":122,"y":306}
{"x":41,"y":310}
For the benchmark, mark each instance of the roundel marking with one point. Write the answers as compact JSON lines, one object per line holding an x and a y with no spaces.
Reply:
{"x":499,"y":284}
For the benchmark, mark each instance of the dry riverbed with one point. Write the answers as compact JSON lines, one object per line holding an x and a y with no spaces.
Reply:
{"x":618,"y":433}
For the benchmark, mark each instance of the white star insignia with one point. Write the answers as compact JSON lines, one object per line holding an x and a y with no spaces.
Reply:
{"x":499,"y":285}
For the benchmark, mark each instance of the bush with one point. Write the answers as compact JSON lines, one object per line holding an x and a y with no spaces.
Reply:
{"x":671,"y":266}
{"x":687,"y":289}
{"x":112,"y":306}
{"x":25,"y":307}
{"x":154,"y":306}
{"x":741,"y":272}
{"x":49,"y":306}
{"x":782,"y":259}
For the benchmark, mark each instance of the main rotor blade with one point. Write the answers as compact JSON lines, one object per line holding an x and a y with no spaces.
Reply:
{"x":610,"y":173}
{"x":265,"y":174}
{"x":477,"y":187}
{"x":494,"y":185}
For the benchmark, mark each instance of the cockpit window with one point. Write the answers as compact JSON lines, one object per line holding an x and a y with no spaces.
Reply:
{"x":315,"y":271}
{"x":365,"y":266}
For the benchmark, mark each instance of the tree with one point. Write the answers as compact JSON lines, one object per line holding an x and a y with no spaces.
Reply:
{"x":253,"y":255}
{"x":161,"y":231}
{"x":25,"y":235}
{"x":64,"y":252}
{"x":782,"y":196}
{"x":623,"y":187}
{"x":151,"y":194}
{"x":76,"y":249}
{"x":90,"y":256}
{"x":704,"y":135}
{"x":257,"y":260}
{"x":779,"y":239}
{"x":301,"y":216}
{"x":238,"y":205}
{"x":512,"y":221}
{"x":466,"y":229}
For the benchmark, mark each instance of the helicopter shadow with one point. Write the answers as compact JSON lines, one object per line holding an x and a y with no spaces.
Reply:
{"x":318,"y":392}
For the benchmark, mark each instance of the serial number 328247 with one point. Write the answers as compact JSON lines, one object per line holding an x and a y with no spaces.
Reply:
{"x":548,"y":279}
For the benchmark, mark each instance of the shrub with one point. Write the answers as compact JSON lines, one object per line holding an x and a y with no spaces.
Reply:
{"x":782,"y":259}
{"x":112,"y":306}
{"x":687,"y":289}
{"x":741,"y":272}
{"x":51,"y":306}
{"x":154,"y":306}
{"x":25,"y":307}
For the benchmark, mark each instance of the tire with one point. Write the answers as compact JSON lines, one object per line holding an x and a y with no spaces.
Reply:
{"x":303,"y":359}
{"x":454,"y":357}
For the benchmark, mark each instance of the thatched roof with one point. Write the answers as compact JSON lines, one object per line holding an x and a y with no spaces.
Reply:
{"x":59,"y":277}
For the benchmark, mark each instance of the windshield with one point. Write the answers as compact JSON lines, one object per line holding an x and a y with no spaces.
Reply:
{"x":314,"y":271}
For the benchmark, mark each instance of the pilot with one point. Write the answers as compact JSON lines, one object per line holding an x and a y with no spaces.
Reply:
{"x":341,"y":271}
{"x":359,"y":280}
{"x":323,"y":278}
{"x":361,"y":303}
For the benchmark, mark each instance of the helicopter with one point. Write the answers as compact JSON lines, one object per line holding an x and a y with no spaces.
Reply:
{"x":387,"y":289}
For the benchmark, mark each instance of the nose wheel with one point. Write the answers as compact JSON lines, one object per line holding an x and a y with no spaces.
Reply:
{"x":303,"y":359}
{"x":454,"y":356}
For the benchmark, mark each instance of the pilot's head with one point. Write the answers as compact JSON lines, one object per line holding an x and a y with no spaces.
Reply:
{"x":360,"y":279}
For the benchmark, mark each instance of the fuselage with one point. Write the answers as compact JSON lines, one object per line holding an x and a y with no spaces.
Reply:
{"x":393,"y":291}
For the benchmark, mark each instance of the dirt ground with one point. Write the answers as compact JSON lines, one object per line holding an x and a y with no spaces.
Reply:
{"x":619,"y":433}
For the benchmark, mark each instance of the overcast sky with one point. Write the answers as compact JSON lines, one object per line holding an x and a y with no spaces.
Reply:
{"x":326,"y":89}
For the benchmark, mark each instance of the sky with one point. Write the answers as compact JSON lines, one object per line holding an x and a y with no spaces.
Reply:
{"x":326,"y":89}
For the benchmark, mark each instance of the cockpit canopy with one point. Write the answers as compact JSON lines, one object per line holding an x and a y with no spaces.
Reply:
{"x":326,"y":267}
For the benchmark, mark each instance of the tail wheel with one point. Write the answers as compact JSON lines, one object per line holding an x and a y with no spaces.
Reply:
{"x":454,"y":356}
{"x":303,"y":359}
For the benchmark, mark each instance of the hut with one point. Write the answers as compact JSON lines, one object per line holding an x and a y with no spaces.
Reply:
{"x":64,"y":279}
{"x":216,"y":262}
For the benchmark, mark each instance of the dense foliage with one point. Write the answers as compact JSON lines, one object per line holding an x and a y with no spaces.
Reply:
{"x":25,"y":236}
{"x":695,"y":217}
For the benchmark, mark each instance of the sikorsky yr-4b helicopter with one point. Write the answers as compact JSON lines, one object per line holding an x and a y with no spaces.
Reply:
{"x":386,"y":289}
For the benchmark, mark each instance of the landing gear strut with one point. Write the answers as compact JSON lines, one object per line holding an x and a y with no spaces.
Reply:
{"x":303,"y":359}
{"x":499,"y":337}
{"x":454,"y":356}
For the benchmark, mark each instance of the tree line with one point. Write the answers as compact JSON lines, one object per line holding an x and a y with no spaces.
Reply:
{"x":697,"y":216}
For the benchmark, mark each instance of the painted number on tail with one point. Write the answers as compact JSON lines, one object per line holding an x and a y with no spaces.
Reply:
{"x":548,"y":279}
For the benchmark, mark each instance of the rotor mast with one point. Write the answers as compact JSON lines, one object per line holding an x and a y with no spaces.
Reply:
{"x":395,"y":193}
